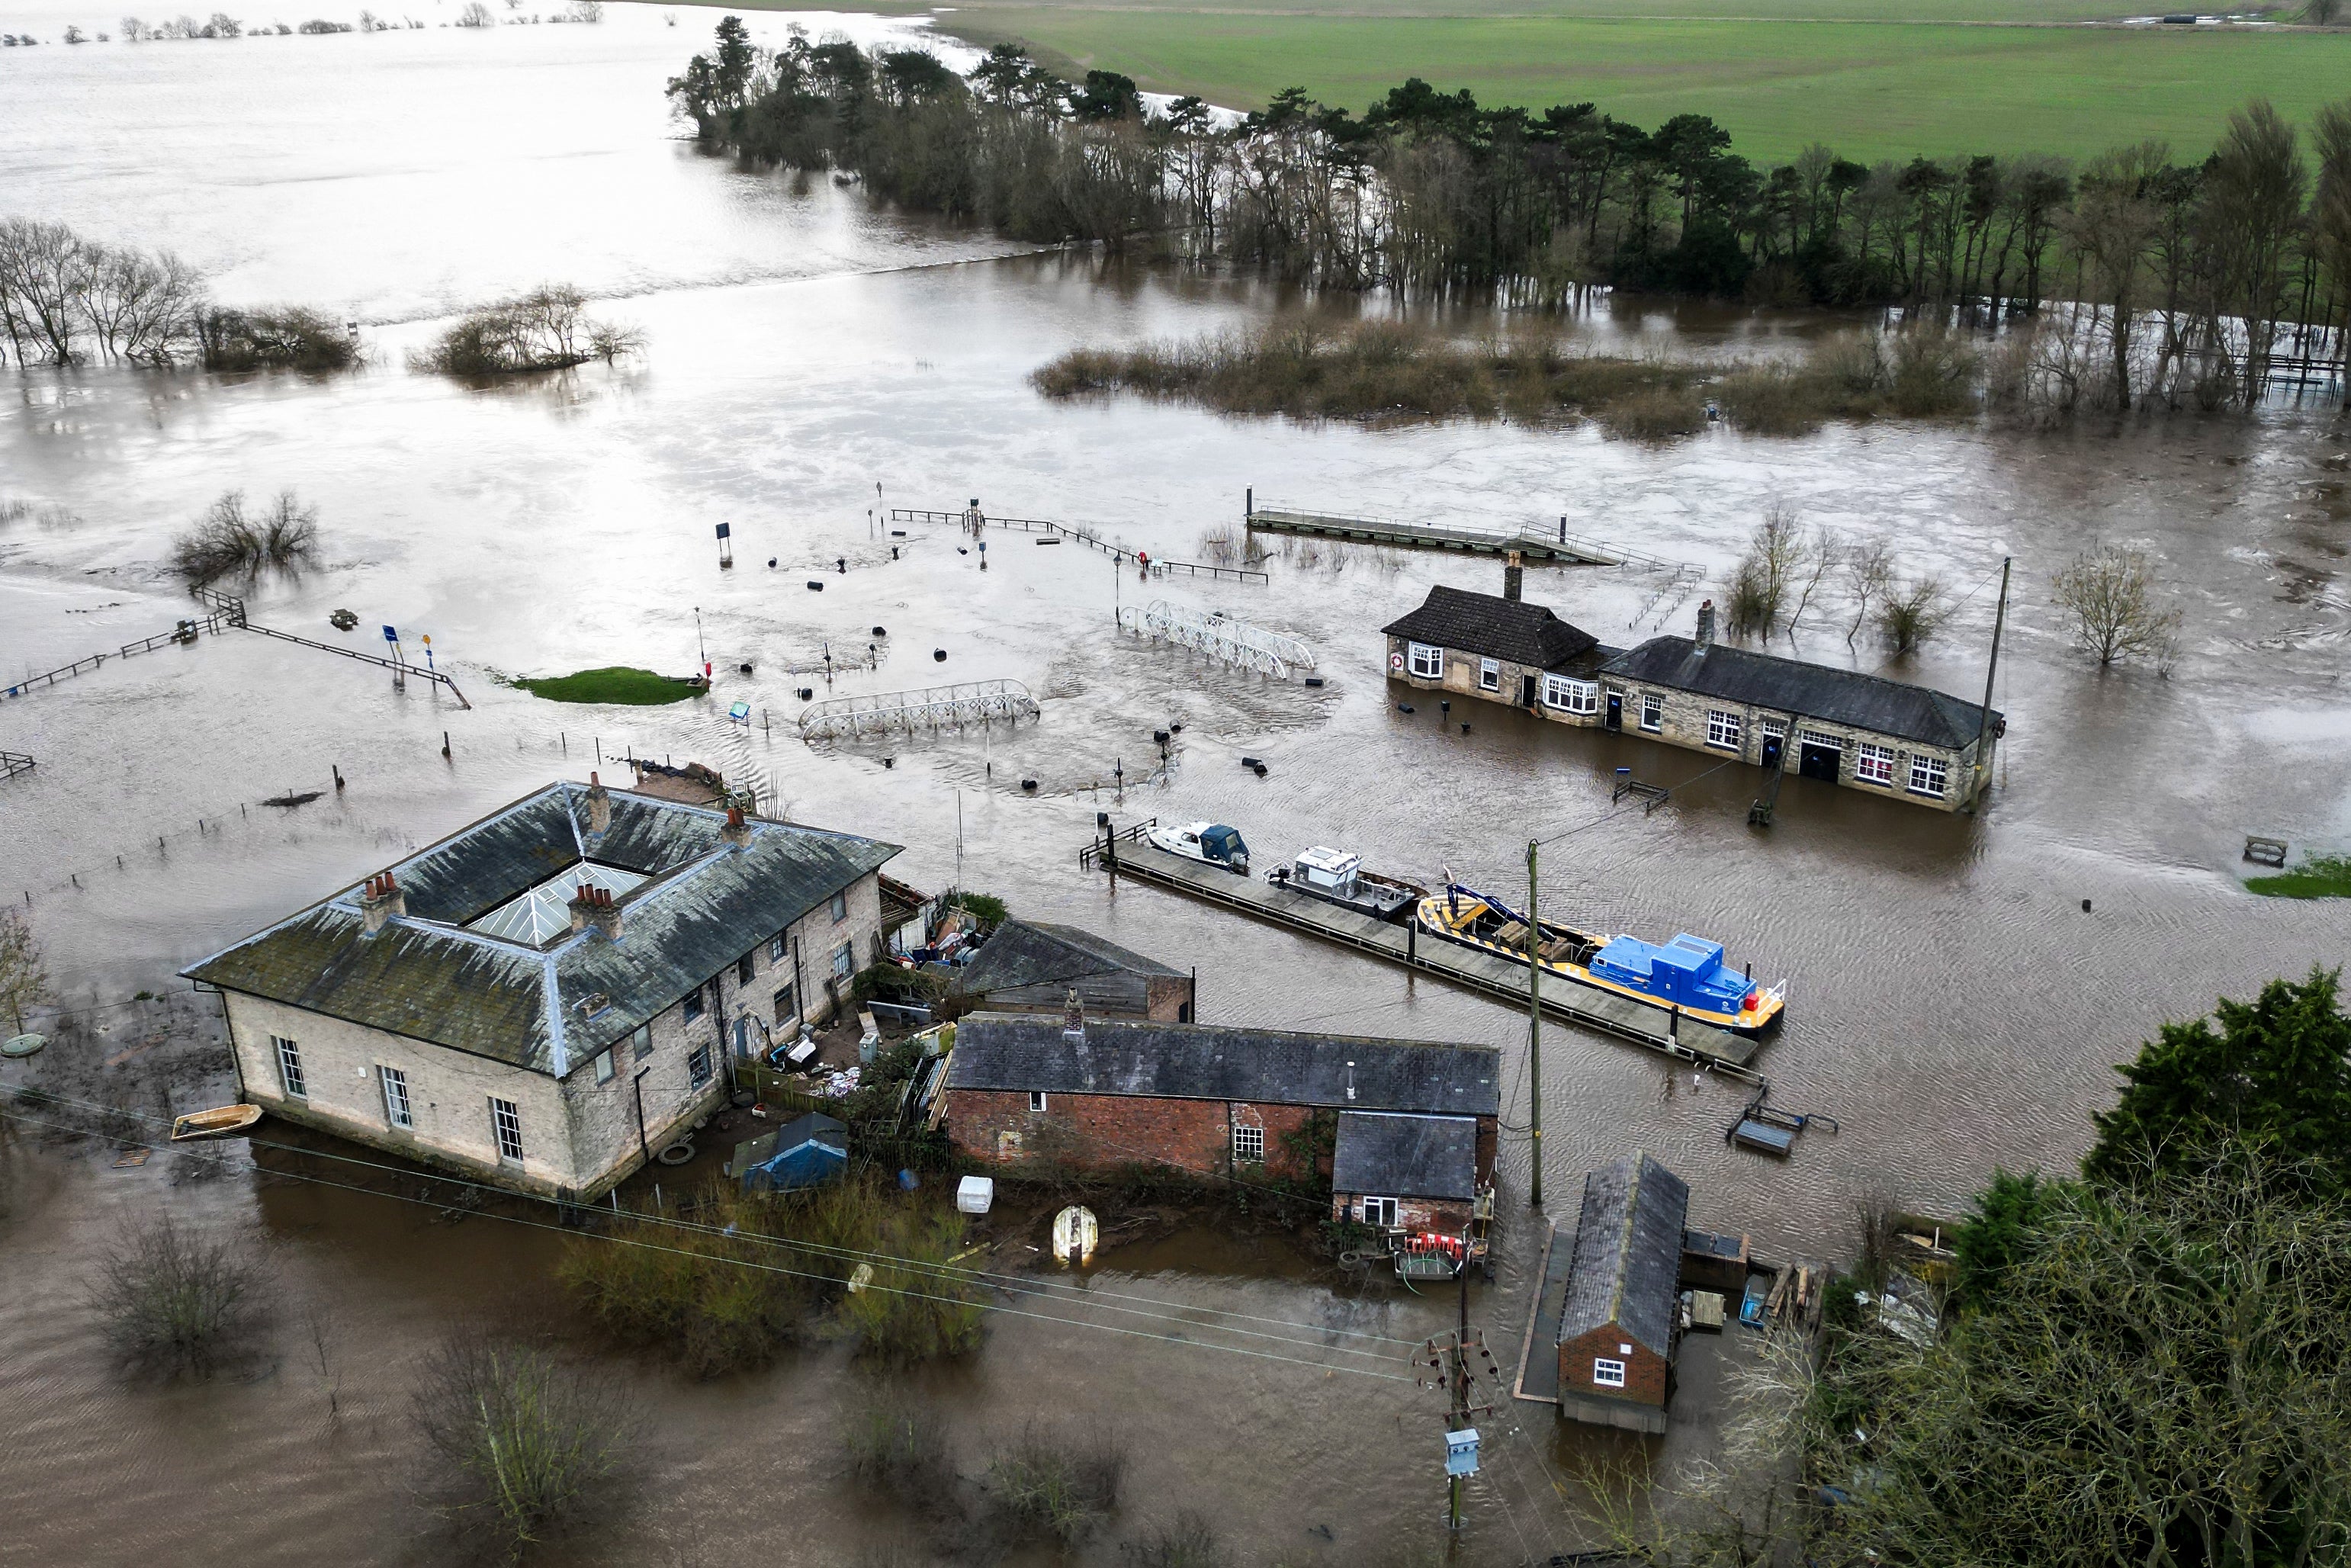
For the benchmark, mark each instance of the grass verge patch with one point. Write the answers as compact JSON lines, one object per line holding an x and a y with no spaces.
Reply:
{"x":2318,"y":876}
{"x":622,"y":684}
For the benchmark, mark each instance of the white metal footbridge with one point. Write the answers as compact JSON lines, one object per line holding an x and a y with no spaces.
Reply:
{"x":1219,"y":636}
{"x":904,"y":713}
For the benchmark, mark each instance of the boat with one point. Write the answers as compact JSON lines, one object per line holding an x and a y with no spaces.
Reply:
{"x":223,"y":1121}
{"x":1212,"y":842}
{"x":1751,"y":1303}
{"x":1685,"y":977}
{"x":1337,"y":877}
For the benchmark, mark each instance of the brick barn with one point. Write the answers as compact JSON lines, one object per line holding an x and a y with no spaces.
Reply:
{"x":1216,"y":1102}
{"x":1400,"y":1172}
{"x":1617,"y":1324}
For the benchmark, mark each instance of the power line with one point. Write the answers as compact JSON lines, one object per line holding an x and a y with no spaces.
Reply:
{"x":1168,"y":1311}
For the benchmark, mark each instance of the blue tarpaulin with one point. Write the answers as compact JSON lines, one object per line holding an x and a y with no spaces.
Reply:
{"x":805,"y":1153}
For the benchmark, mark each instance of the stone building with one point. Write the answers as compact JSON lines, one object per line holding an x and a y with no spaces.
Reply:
{"x":1497,"y":649}
{"x":1215,"y":1101}
{"x":543,"y":998}
{"x":1617,"y":1324}
{"x":1888,"y":737}
{"x":1032,"y":966}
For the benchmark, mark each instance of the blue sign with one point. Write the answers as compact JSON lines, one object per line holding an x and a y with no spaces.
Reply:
{"x":741,"y":713}
{"x":1461,"y":1452}
{"x":725,"y":528}
{"x":391,"y":635}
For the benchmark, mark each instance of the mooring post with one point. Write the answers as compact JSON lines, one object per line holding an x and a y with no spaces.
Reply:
{"x":336,"y":769}
{"x":445,"y":743}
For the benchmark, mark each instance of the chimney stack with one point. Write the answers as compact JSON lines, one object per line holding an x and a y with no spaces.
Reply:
{"x":736,"y":833}
{"x":1705,"y":623}
{"x":583,"y":906}
{"x":600,"y":806}
{"x":1073,"y":1018}
{"x":382,"y":902}
{"x":602,"y":913}
{"x":1514,"y":573}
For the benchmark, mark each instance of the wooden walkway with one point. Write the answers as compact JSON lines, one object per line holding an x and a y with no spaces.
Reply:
{"x":1159,"y":568}
{"x":1539,"y":1375}
{"x":1498,"y":978}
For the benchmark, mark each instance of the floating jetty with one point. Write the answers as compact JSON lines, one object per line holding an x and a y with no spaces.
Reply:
{"x":1563,"y":548}
{"x":1125,"y":854}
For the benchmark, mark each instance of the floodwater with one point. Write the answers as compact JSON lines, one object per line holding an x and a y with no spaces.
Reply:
{"x":811,"y":359}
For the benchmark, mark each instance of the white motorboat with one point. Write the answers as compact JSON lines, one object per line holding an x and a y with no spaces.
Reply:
{"x":1211,"y":843}
{"x":1337,"y":877}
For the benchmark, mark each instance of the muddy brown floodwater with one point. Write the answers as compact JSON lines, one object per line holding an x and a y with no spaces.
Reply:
{"x":1952,"y":1004}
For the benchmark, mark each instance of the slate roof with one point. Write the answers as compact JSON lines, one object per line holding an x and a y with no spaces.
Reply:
{"x":1036,"y":953}
{"x":1406,"y":1156}
{"x":1628,"y":1253}
{"x":1493,"y":627}
{"x":702,"y":906}
{"x":1199,"y":1061}
{"x":1814,"y":691}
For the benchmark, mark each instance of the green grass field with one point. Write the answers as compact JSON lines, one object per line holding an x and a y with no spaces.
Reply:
{"x":1870,"y":90}
{"x":620,"y":684}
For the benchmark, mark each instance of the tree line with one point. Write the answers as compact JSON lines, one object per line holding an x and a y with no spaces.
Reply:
{"x":2182,"y":281}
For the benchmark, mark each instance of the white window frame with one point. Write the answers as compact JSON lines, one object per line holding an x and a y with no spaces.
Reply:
{"x":641,"y":1041}
{"x":844,"y":961}
{"x":1773,"y":729}
{"x":1725,"y":729}
{"x":290,"y":1077}
{"x":1652,"y":712}
{"x":1874,"y":764}
{"x":1489,"y":675}
{"x":398,"y":1109}
{"x":1929,"y":775}
{"x":1037,"y":1102}
{"x":840,"y":907}
{"x":506,"y":1130}
{"x":1569,"y":694}
{"x":1425,"y":663}
{"x":1607,"y":1372}
{"x":1381,"y":1213}
{"x":1248,"y":1145}
{"x":699,"y":1068}
{"x":605,"y":1071}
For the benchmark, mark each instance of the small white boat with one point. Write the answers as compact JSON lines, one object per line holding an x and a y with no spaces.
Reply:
{"x":1075,"y":1235}
{"x":1337,"y":877}
{"x":1210,"y":842}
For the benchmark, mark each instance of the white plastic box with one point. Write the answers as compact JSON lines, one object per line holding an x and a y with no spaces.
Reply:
{"x":976,"y":1195}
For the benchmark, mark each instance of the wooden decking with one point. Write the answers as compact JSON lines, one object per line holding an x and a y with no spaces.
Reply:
{"x":1494,"y":976}
{"x":1539,"y":1375}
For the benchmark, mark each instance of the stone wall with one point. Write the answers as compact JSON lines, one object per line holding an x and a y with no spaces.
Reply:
{"x":1463,"y":672}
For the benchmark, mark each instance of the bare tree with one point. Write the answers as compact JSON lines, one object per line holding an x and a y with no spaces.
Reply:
{"x":1820,"y":555}
{"x":1758,"y":594}
{"x":177,"y":1301}
{"x":43,"y":272}
{"x":1868,"y":568}
{"x":2110,"y":592}
{"x":24,"y":972}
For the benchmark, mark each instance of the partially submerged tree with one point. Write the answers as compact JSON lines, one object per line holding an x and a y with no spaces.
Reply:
{"x":24,"y":969}
{"x":2110,"y":593}
{"x":1766,"y":574}
{"x":1909,"y":613}
{"x":178,"y":1301}
{"x":230,"y":540}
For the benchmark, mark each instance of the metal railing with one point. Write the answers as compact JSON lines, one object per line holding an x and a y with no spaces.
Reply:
{"x":885,"y":713}
{"x":1219,"y":636}
{"x":1085,"y":536}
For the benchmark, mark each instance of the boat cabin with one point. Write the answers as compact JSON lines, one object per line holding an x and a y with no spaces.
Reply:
{"x":1688,"y":971}
{"x":1334,"y":871}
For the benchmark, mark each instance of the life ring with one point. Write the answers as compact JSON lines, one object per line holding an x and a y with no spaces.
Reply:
{"x":1395,"y":660}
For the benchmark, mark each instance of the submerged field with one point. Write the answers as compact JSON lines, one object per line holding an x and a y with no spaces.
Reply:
{"x":1781,"y":74}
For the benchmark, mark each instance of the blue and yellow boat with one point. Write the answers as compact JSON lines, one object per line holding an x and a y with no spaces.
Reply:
{"x":1685,"y":976}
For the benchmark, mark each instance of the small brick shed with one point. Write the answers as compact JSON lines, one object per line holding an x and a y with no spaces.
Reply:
{"x":1616,"y":1327}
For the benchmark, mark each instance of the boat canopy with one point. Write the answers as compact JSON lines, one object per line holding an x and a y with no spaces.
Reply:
{"x":1222,"y":843}
{"x":1320,"y":867}
{"x":1688,"y":971}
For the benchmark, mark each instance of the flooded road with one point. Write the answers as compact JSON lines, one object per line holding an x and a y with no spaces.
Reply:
{"x":809,"y":360}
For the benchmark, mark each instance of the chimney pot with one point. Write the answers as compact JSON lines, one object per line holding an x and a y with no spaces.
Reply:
{"x":738,"y":832}
{"x":1073,"y":1017}
{"x":380,"y":902}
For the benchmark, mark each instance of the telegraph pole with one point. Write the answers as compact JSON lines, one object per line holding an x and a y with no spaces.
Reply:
{"x":1534,"y":1027}
{"x":1449,"y":1356}
{"x":1991,"y":670}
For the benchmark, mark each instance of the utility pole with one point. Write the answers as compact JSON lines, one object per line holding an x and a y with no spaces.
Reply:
{"x":1450,"y":1356}
{"x":1534,"y":1027}
{"x":1991,"y":671}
